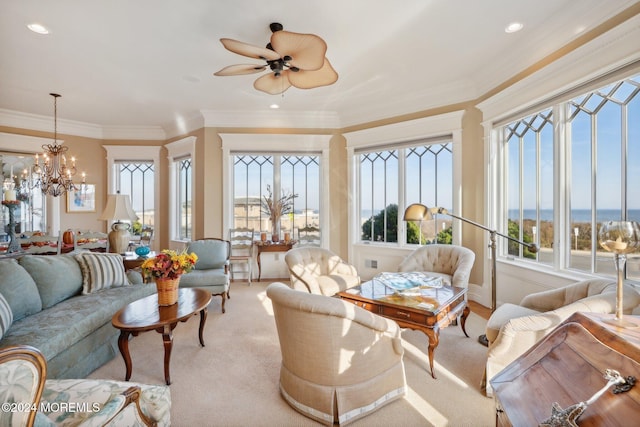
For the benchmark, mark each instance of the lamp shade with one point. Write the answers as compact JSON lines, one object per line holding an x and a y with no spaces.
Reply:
{"x":118,"y":208}
{"x":417,"y":212}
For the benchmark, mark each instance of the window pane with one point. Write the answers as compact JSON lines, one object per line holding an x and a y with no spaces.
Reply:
{"x":300,"y":175}
{"x":530,"y":185}
{"x":429,"y":178}
{"x":251,"y":174}
{"x":184,"y":182}
{"x":137,"y":180}
{"x":379,"y":196}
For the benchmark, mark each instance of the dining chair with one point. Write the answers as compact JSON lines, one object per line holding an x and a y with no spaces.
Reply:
{"x":309,"y":236}
{"x":241,"y":239}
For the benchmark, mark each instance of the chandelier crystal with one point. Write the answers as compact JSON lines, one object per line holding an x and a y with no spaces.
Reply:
{"x":51,"y":173}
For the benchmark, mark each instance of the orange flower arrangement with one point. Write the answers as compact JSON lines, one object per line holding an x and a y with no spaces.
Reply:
{"x":169,"y":264}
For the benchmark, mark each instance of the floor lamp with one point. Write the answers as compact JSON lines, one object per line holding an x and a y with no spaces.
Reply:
{"x":420,"y":212}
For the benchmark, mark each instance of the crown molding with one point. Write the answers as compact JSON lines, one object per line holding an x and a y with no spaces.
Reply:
{"x":36,"y":122}
{"x":134,"y":132}
{"x":406,"y":131}
{"x":275,"y":142}
{"x":271,"y":119}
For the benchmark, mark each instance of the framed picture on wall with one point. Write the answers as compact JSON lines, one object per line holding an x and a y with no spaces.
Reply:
{"x":83,"y":199}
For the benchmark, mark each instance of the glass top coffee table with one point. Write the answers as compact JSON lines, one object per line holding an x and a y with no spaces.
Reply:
{"x":423,"y":308}
{"x":146,"y":315}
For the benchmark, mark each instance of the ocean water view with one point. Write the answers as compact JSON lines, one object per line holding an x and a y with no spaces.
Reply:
{"x":578,"y":215}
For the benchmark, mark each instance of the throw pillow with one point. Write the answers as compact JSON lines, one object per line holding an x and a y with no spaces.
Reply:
{"x":6,"y":316}
{"x":101,"y":271}
{"x":19,"y":289}
{"x":57,"y":277}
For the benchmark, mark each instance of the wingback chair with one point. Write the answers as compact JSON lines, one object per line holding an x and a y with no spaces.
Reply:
{"x":452,"y":263}
{"x":211,"y":271}
{"x":513,"y":329}
{"x":339,"y":361}
{"x":319,"y":271}
{"x":23,"y":372}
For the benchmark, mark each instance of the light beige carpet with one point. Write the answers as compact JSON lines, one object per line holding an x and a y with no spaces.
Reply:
{"x":233,"y":380}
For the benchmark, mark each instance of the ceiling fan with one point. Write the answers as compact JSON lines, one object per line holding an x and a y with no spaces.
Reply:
{"x":293,"y":59}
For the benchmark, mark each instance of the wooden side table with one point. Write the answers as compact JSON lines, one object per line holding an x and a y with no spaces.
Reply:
{"x":270,"y":247}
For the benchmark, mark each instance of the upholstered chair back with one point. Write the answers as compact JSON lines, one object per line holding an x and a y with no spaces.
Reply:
{"x":452,"y":263}
{"x":23,"y":371}
{"x":339,"y":361}
{"x":212,"y":253}
{"x":319,"y":271}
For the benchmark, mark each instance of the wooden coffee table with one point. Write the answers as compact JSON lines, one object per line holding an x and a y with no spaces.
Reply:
{"x":146,"y":315}
{"x":430,"y":311}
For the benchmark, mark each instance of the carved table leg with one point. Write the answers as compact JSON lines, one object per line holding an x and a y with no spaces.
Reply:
{"x":259,"y":265}
{"x":167,"y":338}
{"x":434,"y":340}
{"x":203,"y":320}
{"x":463,"y":319}
{"x":123,"y":345}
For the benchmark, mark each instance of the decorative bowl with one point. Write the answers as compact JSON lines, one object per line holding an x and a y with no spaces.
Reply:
{"x":142,"y":251}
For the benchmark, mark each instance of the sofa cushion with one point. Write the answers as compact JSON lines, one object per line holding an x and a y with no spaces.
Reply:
{"x":6,"y":316}
{"x":211,"y":253}
{"x":71,"y":320}
{"x":101,"y":271}
{"x":57,"y":277}
{"x":19,"y":289}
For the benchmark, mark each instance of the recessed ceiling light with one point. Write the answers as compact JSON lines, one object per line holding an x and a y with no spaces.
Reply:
{"x":274,"y":106}
{"x":38,"y":28}
{"x":513,"y":27}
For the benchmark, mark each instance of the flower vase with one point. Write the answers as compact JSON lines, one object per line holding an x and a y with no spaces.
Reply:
{"x":167,"y":291}
{"x":275,"y":231}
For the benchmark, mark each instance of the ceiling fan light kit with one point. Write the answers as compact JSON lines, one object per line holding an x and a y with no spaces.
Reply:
{"x":293,"y":59}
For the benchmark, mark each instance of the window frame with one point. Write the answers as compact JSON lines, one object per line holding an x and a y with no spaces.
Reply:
{"x":276,"y":144}
{"x":562,"y":178}
{"x":180,"y":150}
{"x":411,"y":133}
{"x":606,"y":60}
{"x":137,"y":153}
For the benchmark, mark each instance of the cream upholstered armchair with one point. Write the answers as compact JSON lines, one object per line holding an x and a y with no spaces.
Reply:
{"x":513,"y":329}
{"x":33,"y":399}
{"x":339,"y":361}
{"x":319,"y":271}
{"x":452,"y":263}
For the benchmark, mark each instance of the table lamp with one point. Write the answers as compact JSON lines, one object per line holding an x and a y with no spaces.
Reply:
{"x":119,"y":208}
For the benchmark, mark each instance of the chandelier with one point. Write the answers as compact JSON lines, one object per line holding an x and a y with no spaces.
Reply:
{"x":51,"y":173}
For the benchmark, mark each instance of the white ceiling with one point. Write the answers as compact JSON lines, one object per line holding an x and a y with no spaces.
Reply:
{"x":150,"y":63}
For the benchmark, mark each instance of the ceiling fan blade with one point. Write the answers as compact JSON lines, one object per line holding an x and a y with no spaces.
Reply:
{"x":249,"y":50}
{"x":273,"y":85}
{"x":310,"y":79}
{"x":306,"y":50}
{"x":240,"y":69}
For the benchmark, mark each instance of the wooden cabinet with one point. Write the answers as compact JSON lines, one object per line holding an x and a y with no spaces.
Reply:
{"x":568,"y":367}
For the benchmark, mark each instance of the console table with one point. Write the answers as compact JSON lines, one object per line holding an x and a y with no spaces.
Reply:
{"x":270,"y":247}
{"x":567,"y":367}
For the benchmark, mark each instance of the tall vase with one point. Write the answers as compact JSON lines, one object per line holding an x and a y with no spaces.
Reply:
{"x":275,"y":231}
{"x":167,"y":291}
